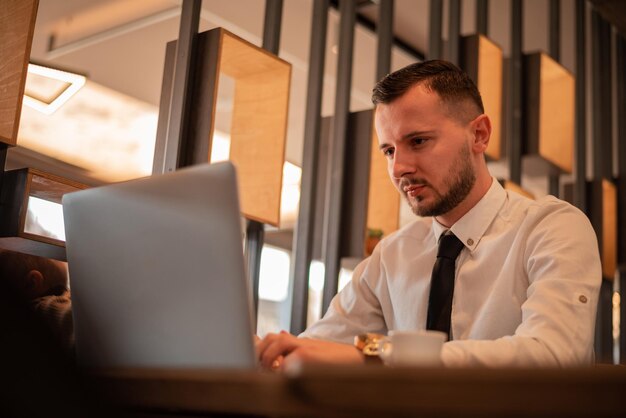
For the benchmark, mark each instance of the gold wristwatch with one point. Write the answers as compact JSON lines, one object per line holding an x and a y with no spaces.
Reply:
{"x":368,"y":344}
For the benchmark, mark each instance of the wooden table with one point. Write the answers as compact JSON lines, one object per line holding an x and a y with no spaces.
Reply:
{"x":373,"y":391}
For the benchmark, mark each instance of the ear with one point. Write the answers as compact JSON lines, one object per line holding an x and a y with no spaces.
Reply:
{"x":481,"y":129}
{"x":33,"y":280}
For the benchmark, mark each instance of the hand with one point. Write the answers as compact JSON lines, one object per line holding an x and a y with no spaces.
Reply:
{"x":277,"y":351}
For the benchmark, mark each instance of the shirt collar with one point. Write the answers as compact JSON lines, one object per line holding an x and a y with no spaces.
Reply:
{"x":472,"y":226}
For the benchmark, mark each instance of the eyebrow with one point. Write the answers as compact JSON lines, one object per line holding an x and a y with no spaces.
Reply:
{"x":410,"y":135}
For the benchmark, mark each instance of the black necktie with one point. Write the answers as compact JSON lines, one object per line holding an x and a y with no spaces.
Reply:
{"x":442,"y":283}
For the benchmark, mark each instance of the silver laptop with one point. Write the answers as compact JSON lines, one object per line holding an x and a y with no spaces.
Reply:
{"x":157,"y":272}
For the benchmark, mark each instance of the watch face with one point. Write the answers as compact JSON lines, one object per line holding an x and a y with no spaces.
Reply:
{"x":370,"y":344}
{"x":371,"y":350}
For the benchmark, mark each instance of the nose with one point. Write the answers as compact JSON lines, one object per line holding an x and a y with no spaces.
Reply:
{"x":401,"y":165}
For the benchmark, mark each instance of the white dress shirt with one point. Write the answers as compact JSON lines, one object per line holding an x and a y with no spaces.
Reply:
{"x":525,"y":293}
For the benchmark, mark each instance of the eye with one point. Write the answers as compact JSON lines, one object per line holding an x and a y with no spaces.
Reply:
{"x":418,"y":141}
{"x":388,"y":152}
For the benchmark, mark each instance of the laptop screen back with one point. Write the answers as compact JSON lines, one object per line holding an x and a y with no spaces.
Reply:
{"x":157,"y":272}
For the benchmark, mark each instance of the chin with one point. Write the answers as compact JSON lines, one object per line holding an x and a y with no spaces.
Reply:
{"x":420,"y":210}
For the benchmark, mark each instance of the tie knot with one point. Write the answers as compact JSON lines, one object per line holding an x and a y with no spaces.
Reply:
{"x":449,"y":246}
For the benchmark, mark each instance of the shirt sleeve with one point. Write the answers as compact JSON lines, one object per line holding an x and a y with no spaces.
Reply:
{"x":56,"y":313}
{"x":558,"y":317}
{"x":355,"y":309}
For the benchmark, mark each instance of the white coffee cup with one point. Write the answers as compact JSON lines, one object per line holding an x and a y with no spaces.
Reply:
{"x":412,"y":348}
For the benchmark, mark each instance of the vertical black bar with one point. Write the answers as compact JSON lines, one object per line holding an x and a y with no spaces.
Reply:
{"x":255,"y":235}
{"x":454,"y":30}
{"x":385,"y":39}
{"x":4,"y":201}
{"x":580,"y":193}
{"x":603,"y":334}
{"x":255,"y":231}
{"x":3,"y":160}
{"x":554,"y":33}
{"x":554,"y":184}
{"x":334,"y":180}
{"x":272,"y":25}
{"x":304,"y":232}
{"x":482,"y":17}
{"x":621,"y":284}
{"x":164,"y":108}
{"x":603,"y":346}
{"x":179,"y":109}
{"x":434,"y":34}
{"x":596,"y":93}
{"x":515,"y":142}
{"x":356,"y":184}
{"x":601,"y":97}
{"x":620,"y":69}
{"x":205,"y":79}
{"x":554,"y":30}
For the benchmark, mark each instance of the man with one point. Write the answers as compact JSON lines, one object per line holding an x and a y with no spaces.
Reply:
{"x":41,"y":283}
{"x":527,"y":278}
{"x":40,"y":375}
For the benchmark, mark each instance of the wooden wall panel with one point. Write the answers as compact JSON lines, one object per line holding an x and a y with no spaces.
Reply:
{"x":17,"y":24}
{"x":490,"y":87}
{"x":602,"y":211}
{"x":549,"y":113}
{"x":258,"y":124}
{"x":609,"y":229}
{"x":556,"y":120}
{"x":370,"y":201}
{"x":482,"y":59}
{"x":384,"y":199}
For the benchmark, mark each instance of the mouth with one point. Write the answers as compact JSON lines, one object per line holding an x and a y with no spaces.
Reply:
{"x":413,"y":190}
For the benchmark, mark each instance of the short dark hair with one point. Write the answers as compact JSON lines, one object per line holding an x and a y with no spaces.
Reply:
{"x":451,"y":83}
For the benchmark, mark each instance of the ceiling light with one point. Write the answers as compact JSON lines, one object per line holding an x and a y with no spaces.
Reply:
{"x":47,"y":89}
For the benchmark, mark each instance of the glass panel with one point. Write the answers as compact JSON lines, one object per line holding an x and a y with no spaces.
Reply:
{"x":44,"y":212}
{"x":220,"y":147}
{"x":274,"y":312}
{"x":316,"y":288}
{"x":44,"y":218}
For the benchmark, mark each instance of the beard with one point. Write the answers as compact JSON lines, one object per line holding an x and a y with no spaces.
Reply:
{"x":459,"y":182}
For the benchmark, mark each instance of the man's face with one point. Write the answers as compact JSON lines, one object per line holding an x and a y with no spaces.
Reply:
{"x":428,"y":151}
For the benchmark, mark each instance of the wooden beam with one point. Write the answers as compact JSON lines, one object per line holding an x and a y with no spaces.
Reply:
{"x":17,"y":25}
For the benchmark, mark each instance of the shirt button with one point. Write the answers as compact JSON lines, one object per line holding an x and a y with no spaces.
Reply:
{"x":582,"y":299}
{"x":470,"y":242}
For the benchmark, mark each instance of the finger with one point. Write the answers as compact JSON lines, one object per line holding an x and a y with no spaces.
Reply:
{"x":279,"y":348}
{"x":278,"y":363}
{"x":262,"y":344}
{"x":282,"y":345}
